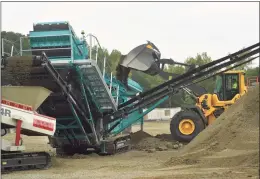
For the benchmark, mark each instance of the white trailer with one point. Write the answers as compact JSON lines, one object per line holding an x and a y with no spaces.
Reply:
{"x":161,"y":114}
{"x":18,"y":115}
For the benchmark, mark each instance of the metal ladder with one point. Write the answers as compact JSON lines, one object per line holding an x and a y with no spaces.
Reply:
{"x":98,"y":86}
{"x":95,"y":74}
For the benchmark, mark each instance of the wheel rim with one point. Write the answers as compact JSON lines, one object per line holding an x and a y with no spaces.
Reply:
{"x":186,"y":126}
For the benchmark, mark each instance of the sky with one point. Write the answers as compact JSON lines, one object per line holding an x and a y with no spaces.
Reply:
{"x":179,"y":29}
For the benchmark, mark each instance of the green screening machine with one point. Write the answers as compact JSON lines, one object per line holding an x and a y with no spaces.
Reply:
{"x":83,"y":87}
{"x":92,"y":107}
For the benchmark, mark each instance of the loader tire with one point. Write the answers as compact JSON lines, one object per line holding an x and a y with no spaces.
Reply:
{"x":178,"y":127}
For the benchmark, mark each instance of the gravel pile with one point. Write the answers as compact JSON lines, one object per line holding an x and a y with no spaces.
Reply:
{"x":232,"y":140}
{"x":146,"y":142}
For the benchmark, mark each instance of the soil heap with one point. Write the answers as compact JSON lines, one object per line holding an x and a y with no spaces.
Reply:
{"x":146,"y":142}
{"x":232,"y":140}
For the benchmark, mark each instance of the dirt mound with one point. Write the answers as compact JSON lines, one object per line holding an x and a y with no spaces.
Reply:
{"x":165,"y":137}
{"x":231,"y":140}
{"x":83,"y":156}
{"x":144,"y":141}
{"x":138,"y":136}
{"x":55,"y":162}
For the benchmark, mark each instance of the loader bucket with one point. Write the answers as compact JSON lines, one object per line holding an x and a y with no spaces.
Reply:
{"x":143,"y":58}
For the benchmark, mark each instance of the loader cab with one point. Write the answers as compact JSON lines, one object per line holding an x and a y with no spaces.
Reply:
{"x":229,"y":84}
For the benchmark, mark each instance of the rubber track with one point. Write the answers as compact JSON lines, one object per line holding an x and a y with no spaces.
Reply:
{"x":23,"y":156}
{"x":111,"y":146}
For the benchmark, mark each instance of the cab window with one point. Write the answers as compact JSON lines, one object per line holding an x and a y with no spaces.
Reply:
{"x":226,"y":86}
{"x":218,"y":87}
{"x":231,"y":86}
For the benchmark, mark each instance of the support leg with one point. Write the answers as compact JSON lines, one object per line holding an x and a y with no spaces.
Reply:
{"x":18,"y":132}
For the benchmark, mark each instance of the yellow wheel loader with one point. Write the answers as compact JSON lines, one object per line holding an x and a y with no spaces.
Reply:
{"x":191,"y":120}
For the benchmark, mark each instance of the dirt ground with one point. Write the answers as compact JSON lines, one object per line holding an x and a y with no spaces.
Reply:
{"x":227,"y":149}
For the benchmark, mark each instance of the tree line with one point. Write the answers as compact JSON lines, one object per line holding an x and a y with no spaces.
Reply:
{"x":146,"y":81}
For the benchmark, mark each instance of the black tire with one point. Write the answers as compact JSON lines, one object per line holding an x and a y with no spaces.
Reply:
{"x":177,"y":118}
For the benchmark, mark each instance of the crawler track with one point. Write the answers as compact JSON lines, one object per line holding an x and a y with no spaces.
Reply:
{"x":116,"y":145}
{"x":24,"y":161}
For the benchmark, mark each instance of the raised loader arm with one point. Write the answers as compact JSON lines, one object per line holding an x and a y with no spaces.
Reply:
{"x":151,"y":58}
{"x":146,"y":58}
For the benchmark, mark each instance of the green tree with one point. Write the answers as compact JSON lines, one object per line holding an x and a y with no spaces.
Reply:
{"x":145,"y":80}
{"x":113,"y":60}
{"x":244,"y":66}
{"x":176,"y":69}
{"x":202,"y":59}
{"x":251,"y":72}
{"x":15,"y":39}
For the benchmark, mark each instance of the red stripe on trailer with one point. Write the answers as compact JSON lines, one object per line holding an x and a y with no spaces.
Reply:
{"x":51,"y":118}
{"x":17,"y":105}
{"x":43,"y":124}
{"x":18,"y":132}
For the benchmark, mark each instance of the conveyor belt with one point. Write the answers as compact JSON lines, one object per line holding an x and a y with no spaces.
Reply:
{"x":172,"y":86}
